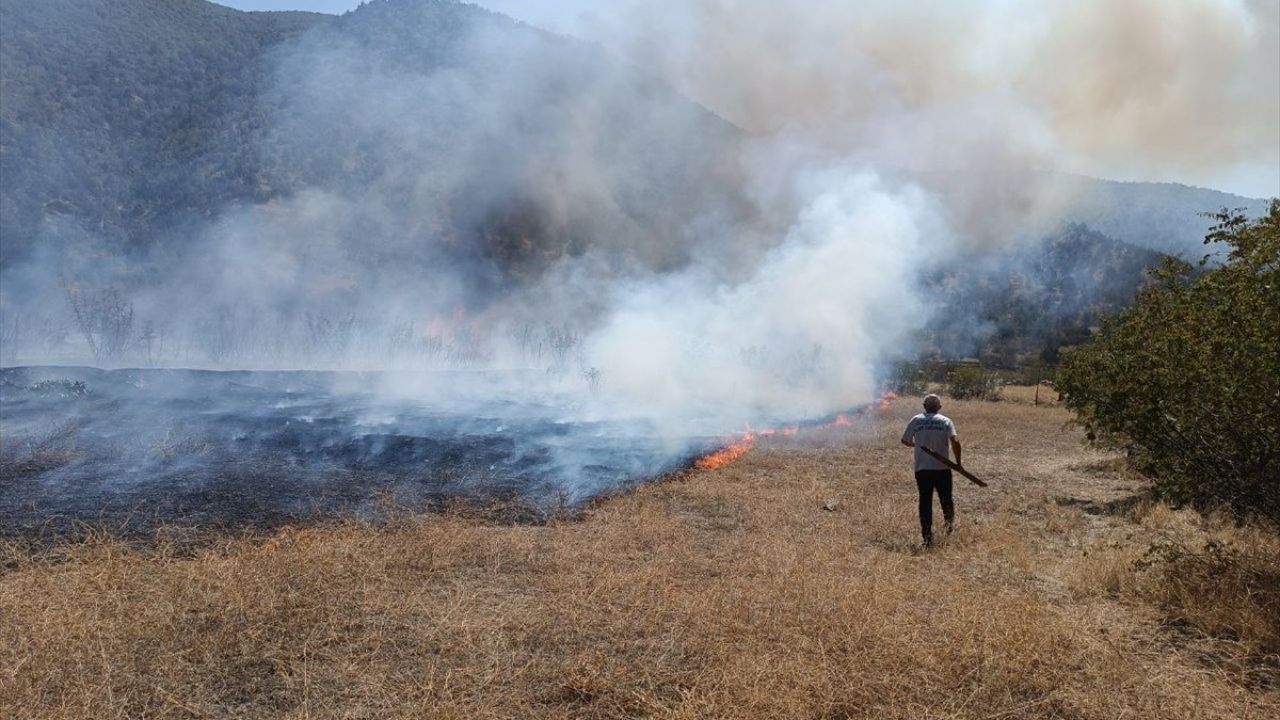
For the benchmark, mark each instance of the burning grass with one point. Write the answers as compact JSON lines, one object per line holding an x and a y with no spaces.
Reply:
{"x":727,"y":455}
{"x":717,"y":594}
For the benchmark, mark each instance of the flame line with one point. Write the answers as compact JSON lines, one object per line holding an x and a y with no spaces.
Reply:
{"x":738,"y":449}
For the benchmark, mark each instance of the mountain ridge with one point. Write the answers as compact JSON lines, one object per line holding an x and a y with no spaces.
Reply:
{"x":363,"y":153}
{"x":125,"y":116}
{"x":126,"y":148}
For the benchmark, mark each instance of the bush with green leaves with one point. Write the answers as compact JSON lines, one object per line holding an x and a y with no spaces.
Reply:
{"x":1187,"y":380}
{"x":906,"y":378}
{"x":970,"y":382}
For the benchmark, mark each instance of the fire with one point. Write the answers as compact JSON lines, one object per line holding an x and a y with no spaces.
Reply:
{"x":728,"y":454}
{"x":447,"y":326}
{"x":746,"y":439}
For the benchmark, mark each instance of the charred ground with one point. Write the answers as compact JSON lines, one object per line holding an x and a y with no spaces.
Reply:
{"x":250,"y":451}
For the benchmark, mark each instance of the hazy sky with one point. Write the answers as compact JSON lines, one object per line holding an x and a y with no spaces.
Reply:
{"x":545,"y":13}
{"x":1255,"y":177}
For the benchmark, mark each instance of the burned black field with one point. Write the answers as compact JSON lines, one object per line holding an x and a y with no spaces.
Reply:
{"x":136,"y":449}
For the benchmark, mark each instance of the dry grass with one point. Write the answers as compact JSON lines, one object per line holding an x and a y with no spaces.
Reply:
{"x":725,"y":594}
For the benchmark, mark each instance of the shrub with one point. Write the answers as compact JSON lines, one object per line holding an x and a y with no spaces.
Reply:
{"x":1187,"y":381}
{"x":973,"y":383}
{"x":104,"y":318}
{"x":907,"y":378}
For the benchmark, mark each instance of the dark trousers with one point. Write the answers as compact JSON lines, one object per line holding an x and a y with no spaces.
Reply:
{"x":926,"y":482}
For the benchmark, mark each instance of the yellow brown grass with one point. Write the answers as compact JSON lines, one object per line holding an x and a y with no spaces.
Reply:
{"x":724,"y":594}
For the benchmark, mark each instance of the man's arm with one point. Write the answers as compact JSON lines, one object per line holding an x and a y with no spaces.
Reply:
{"x":955,"y":449}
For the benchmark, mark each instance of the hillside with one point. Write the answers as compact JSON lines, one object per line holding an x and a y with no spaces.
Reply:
{"x":117,"y":115}
{"x":1024,"y":305}
{"x":122,"y":118}
{"x":1164,"y":217}
{"x":125,"y":120}
{"x":423,"y":155}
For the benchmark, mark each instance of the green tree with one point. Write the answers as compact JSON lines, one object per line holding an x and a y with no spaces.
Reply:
{"x":1187,"y":380}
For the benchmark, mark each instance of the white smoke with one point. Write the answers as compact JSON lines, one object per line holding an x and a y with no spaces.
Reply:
{"x":803,"y":335}
{"x":762,"y":275}
{"x":1129,"y":89}
{"x":981,"y":104}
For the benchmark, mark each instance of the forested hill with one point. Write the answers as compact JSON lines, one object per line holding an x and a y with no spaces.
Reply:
{"x":116,"y":113}
{"x":429,"y":152}
{"x":121,"y":118}
{"x":1012,"y":308}
{"x":443,"y":126}
{"x":1166,"y":217}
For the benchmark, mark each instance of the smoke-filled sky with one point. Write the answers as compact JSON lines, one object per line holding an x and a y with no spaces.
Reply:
{"x":475,"y":190}
{"x":1184,"y":91}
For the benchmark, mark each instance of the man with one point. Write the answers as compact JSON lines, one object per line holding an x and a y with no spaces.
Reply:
{"x":935,"y":431}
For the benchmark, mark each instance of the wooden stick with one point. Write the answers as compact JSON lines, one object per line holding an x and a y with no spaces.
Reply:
{"x":972,"y":478}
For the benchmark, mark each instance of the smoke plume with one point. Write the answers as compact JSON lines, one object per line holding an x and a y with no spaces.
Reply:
{"x":451,"y":189}
{"x":1130,"y":89}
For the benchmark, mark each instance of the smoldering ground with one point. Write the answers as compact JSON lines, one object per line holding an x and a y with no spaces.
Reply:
{"x":136,"y":449}
{"x":449,"y":190}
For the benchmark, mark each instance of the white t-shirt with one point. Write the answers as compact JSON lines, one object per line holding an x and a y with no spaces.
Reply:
{"x":934,"y":431}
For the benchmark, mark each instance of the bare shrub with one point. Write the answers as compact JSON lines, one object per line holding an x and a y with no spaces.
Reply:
{"x":526,"y":338}
{"x":400,"y":338}
{"x":561,"y":341}
{"x":329,"y":337}
{"x":23,"y":333}
{"x":592,"y":376}
{"x":151,"y":342}
{"x":217,"y":335}
{"x":227,"y":334}
{"x":104,"y":318}
{"x":468,"y":348}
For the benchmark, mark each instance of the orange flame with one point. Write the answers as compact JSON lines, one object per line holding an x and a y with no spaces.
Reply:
{"x":728,"y":454}
{"x":735,"y":451}
{"x":886,"y":399}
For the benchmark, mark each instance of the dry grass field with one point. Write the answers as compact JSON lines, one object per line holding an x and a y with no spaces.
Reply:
{"x":732,"y":593}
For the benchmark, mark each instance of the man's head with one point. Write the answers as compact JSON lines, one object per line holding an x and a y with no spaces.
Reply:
{"x":932,"y":403}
